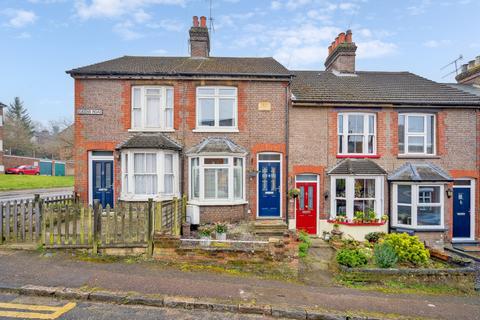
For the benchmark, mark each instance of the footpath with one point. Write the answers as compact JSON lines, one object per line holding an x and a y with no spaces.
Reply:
{"x":149,"y":283}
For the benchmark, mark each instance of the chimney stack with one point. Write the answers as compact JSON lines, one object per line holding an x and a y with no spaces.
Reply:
{"x":341,"y":54}
{"x":199,"y":38}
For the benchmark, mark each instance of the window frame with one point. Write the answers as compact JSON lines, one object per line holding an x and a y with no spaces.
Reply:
{"x":350,"y":194}
{"x":163,"y":109}
{"x":343,"y":134}
{"x":201,"y":199}
{"x":415,"y":203}
{"x":216,"y":96}
{"x":128,"y":173}
{"x":425,"y":134}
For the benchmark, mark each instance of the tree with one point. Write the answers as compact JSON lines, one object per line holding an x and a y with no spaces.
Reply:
{"x":18,"y":129}
{"x":17,"y":112}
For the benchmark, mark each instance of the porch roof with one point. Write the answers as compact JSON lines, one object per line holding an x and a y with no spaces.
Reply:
{"x":217,"y":145}
{"x":419,"y":172}
{"x":150,"y":141}
{"x":357,"y":167}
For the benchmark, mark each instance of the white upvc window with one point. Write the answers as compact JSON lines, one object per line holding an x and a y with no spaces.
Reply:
{"x":419,"y":206}
{"x":217,"y":180}
{"x":416,"y":134}
{"x":1,"y":120}
{"x":216,"y":109}
{"x":149,"y":174}
{"x":357,"y":134}
{"x":152,"y":108}
{"x":356,"y":193}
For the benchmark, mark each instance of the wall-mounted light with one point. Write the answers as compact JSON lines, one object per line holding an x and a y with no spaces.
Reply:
{"x":326,"y":194}
{"x":449,"y":192}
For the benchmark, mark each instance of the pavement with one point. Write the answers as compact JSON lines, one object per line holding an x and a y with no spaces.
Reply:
{"x":30,"y":193}
{"x":33,"y":307}
{"x":21,"y":268}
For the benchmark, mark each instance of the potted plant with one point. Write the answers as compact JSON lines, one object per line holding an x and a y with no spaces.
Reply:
{"x":370,"y":216}
{"x":221,"y":231}
{"x":384,"y":218}
{"x":341,"y":217}
{"x":205,"y":236}
{"x":359,"y":217}
{"x":294,"y":193}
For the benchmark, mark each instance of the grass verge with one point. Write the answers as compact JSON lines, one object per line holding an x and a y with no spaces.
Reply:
{"x":22,"y":182}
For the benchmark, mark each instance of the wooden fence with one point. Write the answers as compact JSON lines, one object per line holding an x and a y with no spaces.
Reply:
{"x":63,"y":222}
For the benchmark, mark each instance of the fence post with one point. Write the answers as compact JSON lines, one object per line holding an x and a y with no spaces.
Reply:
{"x":175,"y":217}
{"x":38,"y":215}
{"x":184,"y":209}
{"x":150,"y":227}
{"x":96,"y":224}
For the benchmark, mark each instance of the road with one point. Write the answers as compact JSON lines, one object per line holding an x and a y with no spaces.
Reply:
{"x":29,"y":194}
{"x":15,"y":306}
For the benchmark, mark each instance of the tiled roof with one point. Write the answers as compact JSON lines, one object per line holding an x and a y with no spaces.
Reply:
{"x":419,"y":172}
{"x":187,"y":66}
{"x":376,"y":87}
{"x":465,"y":87}
{"x":357,"y":166}
{"x":150,"y":141}
{"x":217,"y":146}
{"x":2,"y":105}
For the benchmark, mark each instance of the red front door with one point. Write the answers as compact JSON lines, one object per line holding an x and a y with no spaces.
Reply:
{"x":306,"y":208}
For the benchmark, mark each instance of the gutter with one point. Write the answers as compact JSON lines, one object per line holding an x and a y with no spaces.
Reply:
{"x":380,"y":104}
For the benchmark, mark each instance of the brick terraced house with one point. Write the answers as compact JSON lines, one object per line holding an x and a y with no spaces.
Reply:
{"x":159,"y":127}
{"x":382,"y":143}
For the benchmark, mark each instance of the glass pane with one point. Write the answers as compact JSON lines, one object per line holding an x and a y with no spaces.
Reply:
{"x":401,"y":134}
{"x":207,"y":112}
{"x":139,"y":184}
{"x":206,"y":91}
{"x":428,"y":216}
{"x":429,"y":194}
{"x":154,"y":91}
{"x":168,"y":119}
{"x":139,"y":163}
{"x":416,"y":124}
{"x":210,"y":184}
{"x":355,"y":144}
{"x":238,"y":162}
{"x":227,"y":112}
{"x":355,"y":124}
{"x":169,"y":98}
{"x":404,"y":194}
{"x":363,"y":205}
{"x":340,"y":188}
{"x":195,"y":176}
{"x":108,"y":175}
{"x":151,"y":163}
{"x":371,"y":141}
{"x":371,"y":124}
{"x":137,"y":118}
{"x":340,"y":144}
{"x":360,"y":188}
{"x":404,"y":215}
{"x":238,"y":182}
{"x":227,"y":92}
{"x":341,"y":209}
{"x":264,"y":179}
{"x":369,"y":191}
{"x":126,"y":163}
{"x":306,"y":177}
{"x":462,"y":182}
{"x":416,"y":144}
{"x":137,"y":98}
{"x":340,"y":124}
{"x":310,"y":197}
{"x":145,"y":184}
{"x":430,"y":134}
{"x":168,"y":183}
{"x":168,"y":163}
{"x":215,"y":161}
{"x":301,"y":198}
{"x":98,"y":175}
{"x":273,"y":179}
{"x":222,"y":183}
{"x":267,"y":157}
{"x":153,"y":111}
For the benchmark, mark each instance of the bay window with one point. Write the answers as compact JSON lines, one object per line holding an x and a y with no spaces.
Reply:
{"x":416,"y":134}
{"x":356,"y":133}
{"x":149,"y":174}
{"x":217,"y":179}
{"x":352,"y":194}
{"x":216,"y":108}
{"x":152,"y":108}
{"x":417,"y":205}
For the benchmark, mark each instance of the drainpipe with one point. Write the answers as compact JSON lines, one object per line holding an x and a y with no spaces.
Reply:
{"x":287,"y":100}
{"x":389,"y":187}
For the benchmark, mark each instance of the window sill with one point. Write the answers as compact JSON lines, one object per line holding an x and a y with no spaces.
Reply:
{"x":358,"y":156}
{"x":355,"y":224}
{"x":415,"y":156}
{"x":217,"y":203}
{"x":151,"y":130}
{"x":215,"y":130}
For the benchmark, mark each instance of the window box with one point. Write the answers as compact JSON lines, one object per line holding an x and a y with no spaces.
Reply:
{"x":357,"y":224}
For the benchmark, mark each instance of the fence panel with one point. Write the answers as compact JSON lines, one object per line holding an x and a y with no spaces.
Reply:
{"x":17,"y":221}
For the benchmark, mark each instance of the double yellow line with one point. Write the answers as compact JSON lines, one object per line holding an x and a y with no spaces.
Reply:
{"x":27,"y":311}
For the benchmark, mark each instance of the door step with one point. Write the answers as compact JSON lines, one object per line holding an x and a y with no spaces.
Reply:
{"x":270,"y":228}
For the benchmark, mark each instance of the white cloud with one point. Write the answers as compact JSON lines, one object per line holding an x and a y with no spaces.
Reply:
{"x":19,"y":18}
{"x":141,"y":16}
{"x":24,"y":35}
{"x":419,"y":8}
{"x":167,"y":24}
{"x":436,"y":43}
{"x":295,"y":4}
{"x":125,"y":30}
{"x":375,"y":49}
{"x":275,"y":5}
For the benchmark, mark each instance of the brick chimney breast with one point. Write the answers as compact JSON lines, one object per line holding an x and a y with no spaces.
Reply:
{"x":199,"y":38}
{"x":341,"y":56}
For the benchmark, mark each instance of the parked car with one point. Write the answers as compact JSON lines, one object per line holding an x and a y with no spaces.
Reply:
{"x":24,"y":169}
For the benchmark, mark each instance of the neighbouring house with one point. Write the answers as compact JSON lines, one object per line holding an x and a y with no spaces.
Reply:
{"x":379,"y":143}
{"x":470,"y":73}
{"x":2,"y":166}
{"x":211,"y":128}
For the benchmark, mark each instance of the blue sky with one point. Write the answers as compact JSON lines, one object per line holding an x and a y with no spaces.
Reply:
{"x":43,"y":38}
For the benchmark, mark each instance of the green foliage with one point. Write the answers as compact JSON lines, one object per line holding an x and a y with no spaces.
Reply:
{"x":408,"y":248}
{"x":221,"y":228}
{"x":304,"y":237}
{"x":374,"y":236}
{"x":205,"y":231}
{"x":19,"y":182}
{"x":305,"y":243}
{"x":350,"y":243}
{"x":370,"y":216}
{"x":351,"y":258}
{"x":359,"y":216}
{"x":384,"y":255}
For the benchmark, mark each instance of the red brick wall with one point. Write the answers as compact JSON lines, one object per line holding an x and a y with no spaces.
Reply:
{"x":258,"y":130}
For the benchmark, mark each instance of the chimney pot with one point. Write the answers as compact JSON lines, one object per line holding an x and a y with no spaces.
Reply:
{"x":342,"y":60}
{"x":341,"y":37}
{"x":337,"y":41}
{"x":330,"y":49}
{"x":195,"y":21}
{"x":348,"y":36}
{"x":203,"y":22}
{"x":464,"y":68}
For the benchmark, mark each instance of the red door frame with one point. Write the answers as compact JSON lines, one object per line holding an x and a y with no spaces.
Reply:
{"x":311,"y":224}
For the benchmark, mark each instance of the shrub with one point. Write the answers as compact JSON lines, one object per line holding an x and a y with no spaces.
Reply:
{"x":350,"y":243}
{"x":408,"y":248}
{"x":304,"y":237}
{"x":205,"y":231}
{"x":221,"y":228}
{"x":384,"y":255}
{"x":351,"y":258}
{"x":303,"y":249}
{"x":374,"y":236}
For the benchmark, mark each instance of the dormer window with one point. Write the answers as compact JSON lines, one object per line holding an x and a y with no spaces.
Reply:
{"x":356,"y":134}
{"x":152,"y":108}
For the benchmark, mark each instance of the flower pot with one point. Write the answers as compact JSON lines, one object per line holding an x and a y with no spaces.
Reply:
{"x":221,"y":236}
{"x":205,"y":241}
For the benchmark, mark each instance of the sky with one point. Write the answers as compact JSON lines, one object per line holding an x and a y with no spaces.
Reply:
{"x":41,"y":39}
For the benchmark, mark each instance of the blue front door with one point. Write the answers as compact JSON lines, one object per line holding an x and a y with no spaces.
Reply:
{"x":103,"y":181}
{"x":461,"y":212}
{"x":269,"y":189}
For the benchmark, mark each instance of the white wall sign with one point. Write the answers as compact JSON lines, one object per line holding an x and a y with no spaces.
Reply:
{"x":85,"y":111}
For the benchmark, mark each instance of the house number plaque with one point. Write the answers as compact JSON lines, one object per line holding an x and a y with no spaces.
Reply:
{"x":85,"y":111}
{"x":264,"y":106}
